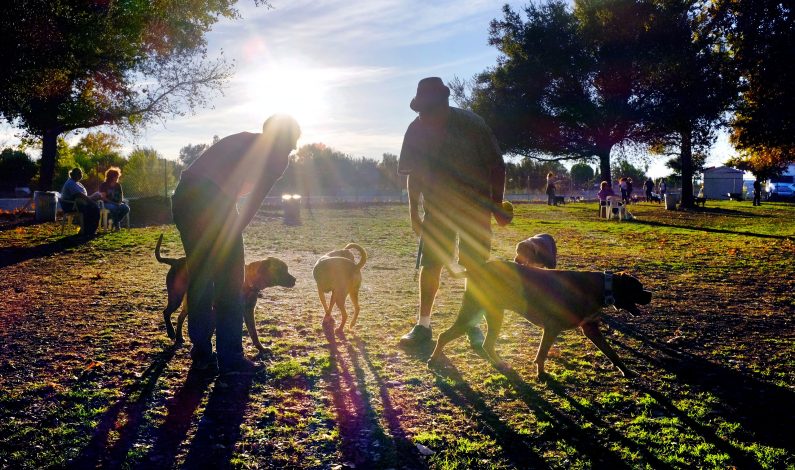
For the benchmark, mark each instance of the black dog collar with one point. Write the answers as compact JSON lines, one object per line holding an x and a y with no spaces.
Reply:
{"x":609,"y":298}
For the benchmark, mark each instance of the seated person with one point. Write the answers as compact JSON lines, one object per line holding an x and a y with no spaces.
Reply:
{"x":74,"y":197}
{"x":112,"y":195}
{"x":605,"y":191}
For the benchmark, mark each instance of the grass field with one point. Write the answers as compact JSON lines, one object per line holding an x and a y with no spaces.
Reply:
{"x":88,"y":377}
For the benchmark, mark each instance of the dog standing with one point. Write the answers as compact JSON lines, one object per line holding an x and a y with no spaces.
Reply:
{"x":258,"y":275}
{"x":556,"y":300}
{"x":339,"y":273}
{"x":538,"y":251}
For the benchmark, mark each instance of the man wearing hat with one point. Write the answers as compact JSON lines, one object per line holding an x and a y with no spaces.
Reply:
{"x":453,"y":161}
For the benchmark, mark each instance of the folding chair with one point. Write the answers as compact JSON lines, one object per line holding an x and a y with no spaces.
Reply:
{"x":105,"y":222}
{"x":70,"y":212}
{"x":616,"y":209}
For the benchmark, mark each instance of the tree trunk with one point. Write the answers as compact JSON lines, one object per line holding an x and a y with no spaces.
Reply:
{"x":49,"y":154}
{"x":604,"y":166}
{"x":686,"y":159}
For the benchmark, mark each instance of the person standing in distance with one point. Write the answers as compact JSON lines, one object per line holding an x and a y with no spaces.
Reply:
{"x":206,"y":214}
{"x":456,"y":172}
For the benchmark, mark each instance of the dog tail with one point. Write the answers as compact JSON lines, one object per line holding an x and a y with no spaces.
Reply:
{"x":160,"y":259}
{"x":362,"y":254}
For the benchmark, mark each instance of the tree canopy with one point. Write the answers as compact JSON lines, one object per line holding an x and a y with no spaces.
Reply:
{"x":73,"y":65}
{"x":567,"y":81}
{"x":761,"y":36}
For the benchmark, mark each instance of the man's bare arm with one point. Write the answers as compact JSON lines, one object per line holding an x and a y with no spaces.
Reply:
{"x":414,"y":190}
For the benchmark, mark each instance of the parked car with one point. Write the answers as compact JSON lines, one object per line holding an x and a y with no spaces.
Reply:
{"x":779,"y":190}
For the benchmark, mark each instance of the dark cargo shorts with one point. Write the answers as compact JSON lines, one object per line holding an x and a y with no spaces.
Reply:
{"x":439,"y":231}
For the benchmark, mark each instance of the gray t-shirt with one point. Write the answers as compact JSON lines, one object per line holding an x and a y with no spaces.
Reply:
{"x":70,"y":188}
{"x":453,"y":165}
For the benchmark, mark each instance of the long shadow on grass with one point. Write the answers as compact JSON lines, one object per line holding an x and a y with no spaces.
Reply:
{"x":570,"y":431}
{"x":712,"y":230}
{"x":129,"y":410}
{"x":179,"y":415}
{"x":219,"y":427}
{"x":402,"y":447}
{"x":763,"y":409}
{"x":357,"y":421}
{"x":613,"y":435}
{"x":14,"y":255}
{"x":514,"y":445}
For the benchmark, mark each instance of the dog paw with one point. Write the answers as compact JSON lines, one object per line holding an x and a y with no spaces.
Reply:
{"x":340,"y":332}
{"x":437,"y":362}
{"x":542,"y":377}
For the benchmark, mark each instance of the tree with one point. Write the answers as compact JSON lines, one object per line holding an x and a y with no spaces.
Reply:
{"x":582,"y":175}
{"x":189,"y":153}
{"x":73,"y":65}
{"x":690,"y":86}
{"x":760,"y":36}
{"x":530,"y":175}
{"x":623,"y":168}
{"x":390,"y":179}
{"x":566,"y":83}
{"x":16,"y":169}
{"x":95,"y":153}
{"x":147,"y":173}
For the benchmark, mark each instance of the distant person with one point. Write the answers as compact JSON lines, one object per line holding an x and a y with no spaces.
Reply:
{"x":663,"y":188}
{"x":74,"y":198}
{"x":630,"y":188}
{"x":112,"y":196}
{"x":205,"y":212}
{"x":623,"y":186}
{"x":605,"y":191}
{"x":454,"y":163}
{"x":757,"y":192}
{"x":649,"y":187}
{"x":550,"y":189}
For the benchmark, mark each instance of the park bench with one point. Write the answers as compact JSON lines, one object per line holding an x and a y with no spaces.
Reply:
{"x":735,"y":196}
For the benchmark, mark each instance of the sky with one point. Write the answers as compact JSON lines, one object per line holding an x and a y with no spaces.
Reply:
{"x":346,"y":69}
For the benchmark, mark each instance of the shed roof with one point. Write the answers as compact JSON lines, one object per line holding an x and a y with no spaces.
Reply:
{"x":722,"y":171}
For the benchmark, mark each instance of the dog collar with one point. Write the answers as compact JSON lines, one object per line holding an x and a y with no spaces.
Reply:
{"x":609,"y":298}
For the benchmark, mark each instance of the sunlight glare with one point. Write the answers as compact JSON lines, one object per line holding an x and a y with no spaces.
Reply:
{"x":297,"y":90}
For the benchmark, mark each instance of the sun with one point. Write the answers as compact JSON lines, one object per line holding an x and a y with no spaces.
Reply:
{"x":291,"y":88}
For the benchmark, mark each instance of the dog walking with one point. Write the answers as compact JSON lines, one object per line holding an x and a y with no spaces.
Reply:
{"x":455,"y":167}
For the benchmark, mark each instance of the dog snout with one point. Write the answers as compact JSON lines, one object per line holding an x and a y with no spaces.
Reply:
{"x":645,"y":298}
{"x":290,"y":281}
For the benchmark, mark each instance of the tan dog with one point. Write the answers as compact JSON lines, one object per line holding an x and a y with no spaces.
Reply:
{"x":339,"y":273}
{"x":556,"y":300}
{"x":539,"y":251}
{"x":259,"y":275}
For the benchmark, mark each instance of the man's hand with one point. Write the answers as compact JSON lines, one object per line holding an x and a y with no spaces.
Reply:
{"x":503,"y":213}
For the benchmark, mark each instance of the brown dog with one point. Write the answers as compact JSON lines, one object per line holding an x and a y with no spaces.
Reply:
{"x":259,"y":275}
{"x":538,"y":251}
{"x":339,"y":273}
{"x":555,"y":300}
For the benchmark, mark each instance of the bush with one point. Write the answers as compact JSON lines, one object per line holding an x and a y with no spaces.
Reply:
{"x":155,"y":210}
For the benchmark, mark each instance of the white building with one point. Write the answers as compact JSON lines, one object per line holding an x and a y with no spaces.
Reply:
{"x":721,"y":180}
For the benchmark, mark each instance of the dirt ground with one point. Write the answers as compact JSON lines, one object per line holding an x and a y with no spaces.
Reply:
{"x":89,"y":379}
